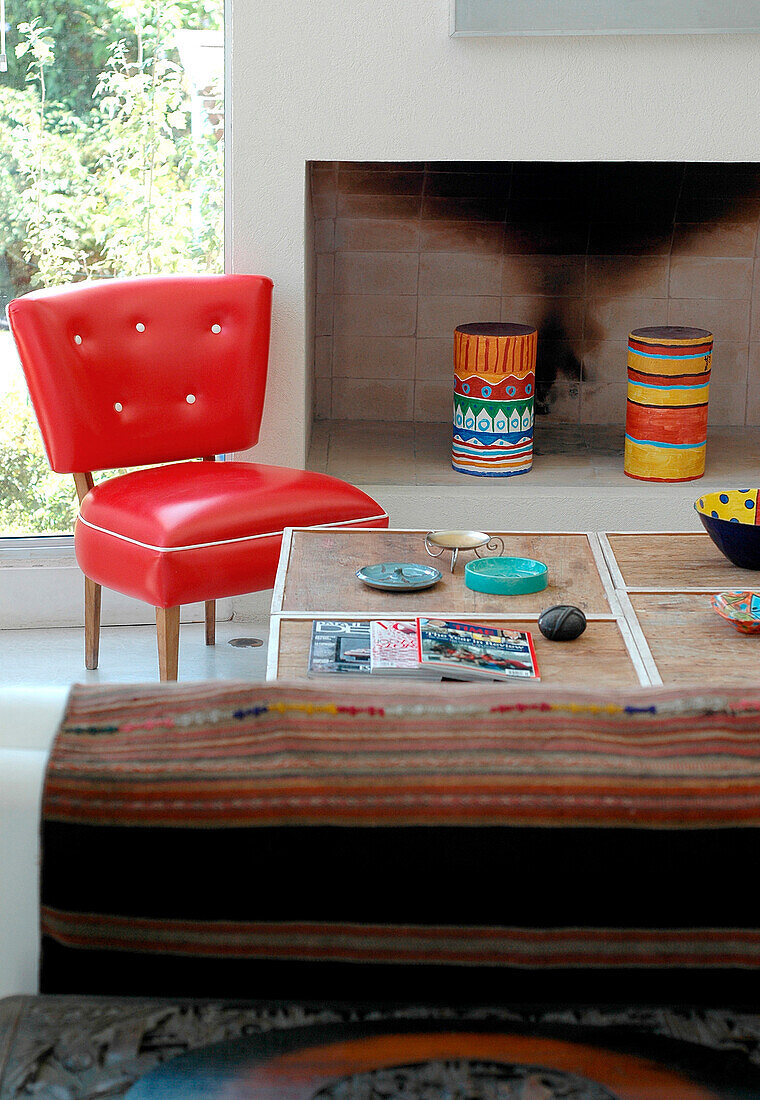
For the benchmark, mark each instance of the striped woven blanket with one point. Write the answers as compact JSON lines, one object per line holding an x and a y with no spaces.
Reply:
{"x":301,"y":840}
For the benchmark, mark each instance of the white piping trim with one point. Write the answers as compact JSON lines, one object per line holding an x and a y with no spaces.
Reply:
{"x":223,"y":542}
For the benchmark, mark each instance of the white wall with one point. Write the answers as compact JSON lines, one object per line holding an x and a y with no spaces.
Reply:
{"x":382,"y":80}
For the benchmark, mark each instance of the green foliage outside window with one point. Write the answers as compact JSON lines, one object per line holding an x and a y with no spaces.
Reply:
{"x":32,"y":498}
{"x":110,"y":164}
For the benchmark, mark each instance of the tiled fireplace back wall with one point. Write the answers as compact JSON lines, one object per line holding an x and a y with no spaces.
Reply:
{"x":405,"y":252}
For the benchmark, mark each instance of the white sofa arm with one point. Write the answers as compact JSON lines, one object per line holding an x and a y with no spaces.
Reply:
{"x":29,"y":718}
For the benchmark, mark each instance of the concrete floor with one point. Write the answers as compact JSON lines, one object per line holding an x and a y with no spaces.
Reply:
{"x":55,"y":656}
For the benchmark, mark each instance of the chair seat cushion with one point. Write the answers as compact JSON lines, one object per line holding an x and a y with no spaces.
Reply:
{"x":203,"y":530}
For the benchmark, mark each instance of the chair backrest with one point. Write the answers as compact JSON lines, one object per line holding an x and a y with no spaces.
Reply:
{"x":127,"y":372}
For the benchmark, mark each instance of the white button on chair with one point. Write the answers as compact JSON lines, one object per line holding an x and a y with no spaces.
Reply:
{"x":216,"y":328}
{"x":77,"y":339}
{"x":190,"y":399}
{"x":118,"y":406}
{"x":140,"y":326}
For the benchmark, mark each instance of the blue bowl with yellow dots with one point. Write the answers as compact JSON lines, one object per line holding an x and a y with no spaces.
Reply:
{"x":732,"y":522}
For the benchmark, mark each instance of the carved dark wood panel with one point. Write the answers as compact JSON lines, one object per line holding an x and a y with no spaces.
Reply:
{"x":68,"y":1048}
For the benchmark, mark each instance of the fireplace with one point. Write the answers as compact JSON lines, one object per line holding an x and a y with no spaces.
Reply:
{"x":400,"y":253}
{"x":404,"y":252}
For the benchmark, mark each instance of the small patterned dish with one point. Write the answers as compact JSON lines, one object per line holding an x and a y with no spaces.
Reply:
{"x":741,"y":609}
{"x":506,"y":576}
{"x":394,"y":576}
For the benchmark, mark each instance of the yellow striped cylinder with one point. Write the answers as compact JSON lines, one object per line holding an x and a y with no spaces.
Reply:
{"x":666,"y":413}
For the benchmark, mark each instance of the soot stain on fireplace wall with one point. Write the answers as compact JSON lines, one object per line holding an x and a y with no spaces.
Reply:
{"x":406,"y":251}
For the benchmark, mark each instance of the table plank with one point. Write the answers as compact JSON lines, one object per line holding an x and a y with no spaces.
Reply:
{"x":575,"y":664}
{"x":691,"y":644}
{"x":677,"y":561}
{"x":320,"y":576}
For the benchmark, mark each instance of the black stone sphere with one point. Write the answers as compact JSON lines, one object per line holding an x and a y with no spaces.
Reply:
{"x":563,"y":623}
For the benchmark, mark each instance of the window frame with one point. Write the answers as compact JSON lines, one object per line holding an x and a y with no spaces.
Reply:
{"x":54,"y":551}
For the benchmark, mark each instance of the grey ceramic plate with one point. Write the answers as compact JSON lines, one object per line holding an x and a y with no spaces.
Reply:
{"x":399,"y":576}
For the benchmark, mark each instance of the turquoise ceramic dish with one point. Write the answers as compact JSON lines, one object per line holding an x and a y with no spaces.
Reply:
{"x":506,"y":576}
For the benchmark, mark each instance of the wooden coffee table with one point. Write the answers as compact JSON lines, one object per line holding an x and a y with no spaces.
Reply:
{"x":645,"y":597}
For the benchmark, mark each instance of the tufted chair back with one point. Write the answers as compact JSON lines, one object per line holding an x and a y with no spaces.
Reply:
{"x":129,"y":372}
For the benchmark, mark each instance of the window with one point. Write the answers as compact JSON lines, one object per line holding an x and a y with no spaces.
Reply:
{"x":111,"y":163}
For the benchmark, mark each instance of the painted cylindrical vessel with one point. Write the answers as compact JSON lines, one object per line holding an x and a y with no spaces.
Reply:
{"x":494,"y":391}
{"x":666,"y":414}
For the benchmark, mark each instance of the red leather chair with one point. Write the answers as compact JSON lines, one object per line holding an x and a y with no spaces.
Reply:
{"x":129,"y":372}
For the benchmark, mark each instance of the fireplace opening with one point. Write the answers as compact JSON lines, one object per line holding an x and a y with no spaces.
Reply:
{"x":402,"y":253}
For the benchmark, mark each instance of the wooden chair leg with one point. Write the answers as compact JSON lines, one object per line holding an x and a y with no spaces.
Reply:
{"x":91,"y":623}
{"x":167,"y":630}
{"x":210,"y":622}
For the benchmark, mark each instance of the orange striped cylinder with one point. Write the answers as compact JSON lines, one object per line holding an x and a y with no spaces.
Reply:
{"x":494,"y":391}
{"x":666,"y":414}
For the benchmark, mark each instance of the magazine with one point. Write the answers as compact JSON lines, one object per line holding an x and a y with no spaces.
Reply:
{"x":468,"y":651}
{"x":394,"y":650}
{"x":338,"y":645}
